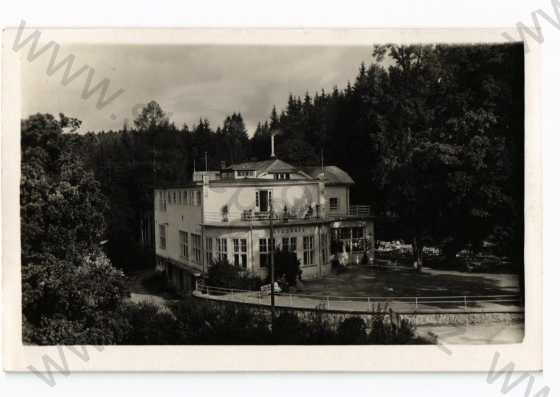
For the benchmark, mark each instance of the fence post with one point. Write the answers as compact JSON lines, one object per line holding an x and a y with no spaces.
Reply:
{"x":416,"y":303}
{"x":291,"y":300}
{"x":369,"y":303}
{"x":328,"y":303}
{"x":465,"y":297}
{"x":206,"y":290}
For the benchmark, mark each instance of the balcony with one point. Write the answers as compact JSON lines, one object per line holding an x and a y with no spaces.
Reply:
{"x":359,"y":211}
{"x":233,"y":217}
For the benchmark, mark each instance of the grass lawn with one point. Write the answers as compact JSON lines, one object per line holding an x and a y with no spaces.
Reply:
{"x":369,"y":281}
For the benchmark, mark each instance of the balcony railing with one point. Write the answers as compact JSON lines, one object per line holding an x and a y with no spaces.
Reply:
{"x":286,"y":215}
{"x":359,"y":210}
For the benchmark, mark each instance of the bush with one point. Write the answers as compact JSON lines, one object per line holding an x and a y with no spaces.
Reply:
{"x":352,"y":331}
{"x":203,"y":323}
{"x":392,"y":329}
{"x":288,"y":330}
{"x":286,"y":266}
{"x":318,"y":331}
{"x":150,"y":324}
{"x":223,"y":274}
{"x":157,"y":283}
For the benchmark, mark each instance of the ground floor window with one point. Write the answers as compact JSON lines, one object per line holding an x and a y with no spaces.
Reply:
{"x":240,"y":252}
{"x":324,"y":248}
{"x":308,"y":250}
{"x":184,"y":243}
{"x":221,"y":245}
{"x":162,"y":237}
{"x":209,"y":253}
{"x":289,"y":244}
{"x":348,"y":239}
{"x":196,"y":248}
{"x":266,"y":245}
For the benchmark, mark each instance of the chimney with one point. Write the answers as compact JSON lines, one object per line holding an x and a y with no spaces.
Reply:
{"x":272,"y":155}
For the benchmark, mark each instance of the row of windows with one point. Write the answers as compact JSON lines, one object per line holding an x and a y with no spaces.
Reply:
{"x":245,"y":174}
{"x":266,"y":245}
{"x":289,"y":244}
{"x":196,"y":246}
{"x":190,"y":198}
{"x":281,"y":176}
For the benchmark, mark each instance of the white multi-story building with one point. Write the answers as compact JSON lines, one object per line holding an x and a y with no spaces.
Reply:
{"x":227,"y":215}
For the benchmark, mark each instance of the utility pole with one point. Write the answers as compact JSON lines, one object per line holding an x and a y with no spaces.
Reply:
{"x":271,"y":249}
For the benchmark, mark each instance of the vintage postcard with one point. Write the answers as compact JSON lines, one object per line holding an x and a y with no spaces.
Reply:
{"x":270,"y":200}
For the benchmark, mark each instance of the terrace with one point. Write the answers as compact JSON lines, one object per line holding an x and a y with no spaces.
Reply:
{"x":318,"y":214}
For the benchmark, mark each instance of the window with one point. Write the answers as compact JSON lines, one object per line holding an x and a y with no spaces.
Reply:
{"x":349,"y":239}
{"x":209,"y":253}
{"x":333,"y":203}
{"x":221,"y":244}
{"x":198,"y":197}
{"x":185,"y":197}
{"x":196,"y":248}
{"x":184,"y":243}
{"x":289,"y":244}
{"x":240,"y":252}
{"x":282,"y":175}
{"x":245,"y":174}
{"x":265,"y":247}
{"x":162,"y":239}
{"x":263,"y":200}
{"x":308,"y":250}
{"x":162,"y":202}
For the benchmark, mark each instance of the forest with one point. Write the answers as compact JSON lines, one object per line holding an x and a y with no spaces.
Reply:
{"x":434,"y":142}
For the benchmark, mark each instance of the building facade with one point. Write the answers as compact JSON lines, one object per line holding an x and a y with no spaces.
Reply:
{"x":229,"y":214}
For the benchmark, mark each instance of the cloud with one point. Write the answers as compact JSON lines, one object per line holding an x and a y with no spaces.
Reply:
{"x":191,"y":82}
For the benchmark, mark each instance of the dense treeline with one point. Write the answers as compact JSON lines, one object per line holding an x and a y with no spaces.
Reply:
{"x":432,"y":135}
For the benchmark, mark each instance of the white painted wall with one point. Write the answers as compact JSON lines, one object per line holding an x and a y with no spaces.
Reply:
{"x":177,"y":216}
{"x":343,"y":195}
{"x":297,"y":195}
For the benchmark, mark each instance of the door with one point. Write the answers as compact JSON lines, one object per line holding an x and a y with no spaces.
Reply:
{"x":264,"y":200}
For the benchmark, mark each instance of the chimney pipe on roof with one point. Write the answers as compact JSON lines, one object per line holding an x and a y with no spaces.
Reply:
{"x":272,"y":155}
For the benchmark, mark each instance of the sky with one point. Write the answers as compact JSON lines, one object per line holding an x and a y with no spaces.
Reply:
{"x":189,"y":82}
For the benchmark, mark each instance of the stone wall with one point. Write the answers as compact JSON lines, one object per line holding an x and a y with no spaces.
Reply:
{"x":335,"y":317}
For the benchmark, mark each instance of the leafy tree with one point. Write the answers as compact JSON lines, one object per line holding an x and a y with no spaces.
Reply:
{"x":235,"y":137}
{"x":69,"y":288}
{"x":151,"y":117}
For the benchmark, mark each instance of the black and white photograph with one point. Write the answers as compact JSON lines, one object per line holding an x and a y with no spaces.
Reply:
{"x":285,"y":199}
{"x":300,"y":195}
